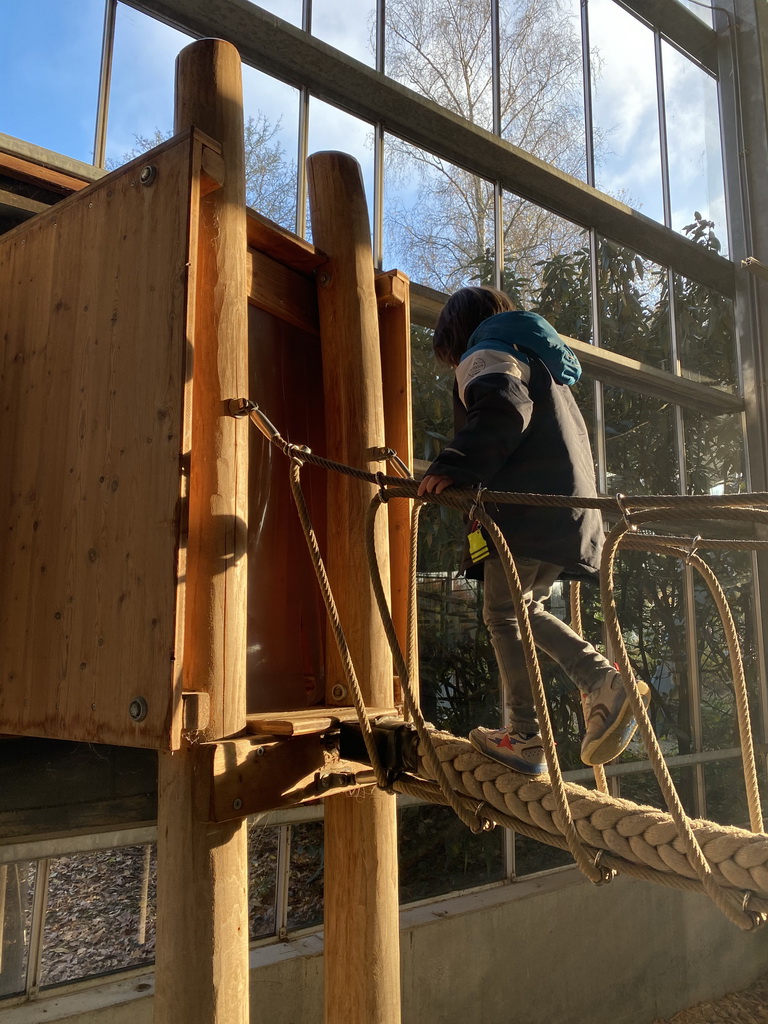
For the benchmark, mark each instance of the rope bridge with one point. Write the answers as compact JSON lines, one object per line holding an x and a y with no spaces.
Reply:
{"x":604,"y":834}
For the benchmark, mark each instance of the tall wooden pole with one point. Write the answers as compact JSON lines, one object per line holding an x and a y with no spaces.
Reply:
{"x":362,"y":959}
{"x":202,"y":920}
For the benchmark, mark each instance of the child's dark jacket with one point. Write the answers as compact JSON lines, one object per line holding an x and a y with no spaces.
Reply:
{"x":518,"y":428}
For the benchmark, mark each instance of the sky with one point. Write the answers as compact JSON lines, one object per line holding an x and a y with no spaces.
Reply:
{"x":49,"y":84}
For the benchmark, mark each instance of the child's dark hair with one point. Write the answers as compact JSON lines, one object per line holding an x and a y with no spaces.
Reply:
{"x":462,"y":313}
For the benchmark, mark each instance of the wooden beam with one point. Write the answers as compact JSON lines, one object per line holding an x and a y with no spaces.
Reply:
{"x":286,"y":293}
{"x":362,"y":960}
{"x":201,"y":972}
{"x":37,"y":174}
{"x":280,"y":49}
{"x":14,"y":205}
{"x":282,"y":245}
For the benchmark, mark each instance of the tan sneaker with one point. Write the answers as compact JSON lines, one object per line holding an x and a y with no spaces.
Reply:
{"x":609,"y":719}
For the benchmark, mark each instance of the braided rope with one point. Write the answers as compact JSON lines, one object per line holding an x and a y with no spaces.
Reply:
{"x":636,"y":840}
{"x":574,"y":599}
{"x":689,"y":857}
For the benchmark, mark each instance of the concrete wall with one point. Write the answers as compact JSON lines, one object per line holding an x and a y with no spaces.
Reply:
{"x":553,"y":950}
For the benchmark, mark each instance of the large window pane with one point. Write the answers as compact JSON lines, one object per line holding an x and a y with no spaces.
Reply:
{"x":714,"y":453}
{"x":531,"y":856}
{"x":438,"y":219}
{"x":706,"y":333}
{"x":542,"y":95}
{"x":649,"y":594}
{"x":143,"y":72}
{"x":727,"y":794}
{"x":642,"y":788}
{"x":634,"y":305}
{"x":640,"y":443}
{"x":101,"y":914}
{"x":271,"y":111}
{"x":305,"y":885}
{"x":17,"y":887}
{"x":288,"y":10}
{"x":333,"y":129}
{"x":442,"y":49}
{"x":625,"y":111}
{"x":438,"y":854}
{"x":262,"y":880}
{"x":49,"y":73}
{"x":546,"y":266}
{"x":349,"y":25}
{"x":693,"y":143}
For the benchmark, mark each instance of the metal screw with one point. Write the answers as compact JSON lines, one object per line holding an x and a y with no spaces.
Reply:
{"x":260,"y":751}
{"x":339,"y":692}
{"x":324,"y":279}
{"x":148,"y":174}
{"x":237,"y":803}
{"x":138,"y":709}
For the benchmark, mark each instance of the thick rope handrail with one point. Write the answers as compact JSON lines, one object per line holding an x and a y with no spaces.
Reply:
{"x":574,"y":599}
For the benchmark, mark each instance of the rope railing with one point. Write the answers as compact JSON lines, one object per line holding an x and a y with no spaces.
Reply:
{"x":473,"y":806}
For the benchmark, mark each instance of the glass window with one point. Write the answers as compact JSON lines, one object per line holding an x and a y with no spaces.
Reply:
{"x":706,"y":335}
{"x":640,"y":443}
{"x":262,"y":880}
{"x":542,"y":93}
{"x":305,"y":880}
{"x":546,"y":266}
{"x":271,"y":112}
{"x":333,"y":129}
{"x":49,"y":74}
{"x":700,"y":9}
{"x":642,"y":788}
{"x":288,"y":10}
{"x":143,"y":72}
{"x":443,"y":51}
{"x":634,"y":305}
{"x":438,"y":854}
{"x":17,"y":887}
{"x":532,"y":856}
{"x":624,"y":108}
{"x":726,"y":791}
{"x":714,"y":453}
{"x":650,"y":601}
{"x":101,"y":914}
{"x":349,"y":25}
{"x":438,"y":219}
{"x":693,"y":142}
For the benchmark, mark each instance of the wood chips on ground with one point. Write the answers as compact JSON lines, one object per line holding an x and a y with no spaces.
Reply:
{"x":750,"y":1006}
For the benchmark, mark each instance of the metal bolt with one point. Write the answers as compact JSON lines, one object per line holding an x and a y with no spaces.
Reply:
{"x":339,"y":692}
{"x":237,"y":803}
{"x":138,"y":709}
{"x":148,"y":174}
{"x":324,"y":279}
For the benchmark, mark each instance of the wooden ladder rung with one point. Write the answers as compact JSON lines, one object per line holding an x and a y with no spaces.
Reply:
{"x":306,"y":721}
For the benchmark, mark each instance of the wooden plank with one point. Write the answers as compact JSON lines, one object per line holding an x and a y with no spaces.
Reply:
{"x":37,"y":174}
{"x":16,"y":205}
{"x":392,"y":293}
{"x":306,"y":721}
{"x":92,"y":301}
{"x":282,"y":245}
{"x":286,"y":618}
{"x":282,"y":291}
{"x":361,"y":895}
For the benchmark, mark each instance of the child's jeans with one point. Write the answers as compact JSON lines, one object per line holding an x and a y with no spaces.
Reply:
{"x":578,"y":658}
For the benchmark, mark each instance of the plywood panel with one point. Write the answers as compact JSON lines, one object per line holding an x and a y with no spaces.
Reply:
{"x":92,"y":323}
{"x":286,"y":620}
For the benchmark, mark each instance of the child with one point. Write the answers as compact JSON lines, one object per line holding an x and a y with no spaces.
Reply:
{"x":518,"y":428}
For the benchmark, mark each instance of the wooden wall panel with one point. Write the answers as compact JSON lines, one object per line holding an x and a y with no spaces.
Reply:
{"x":92,"y":374}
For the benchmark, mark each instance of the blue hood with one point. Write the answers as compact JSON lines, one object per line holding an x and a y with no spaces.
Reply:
{"x":526,"y":334}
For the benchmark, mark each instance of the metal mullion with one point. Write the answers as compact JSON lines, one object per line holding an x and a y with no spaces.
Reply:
{"x":282,"y":880}
{"x":586,"y":63}
{"x":301,"y":184}
{"x":37,"y":930}
{"x":663,"y":142}
{"x":105,"y":81}
{"x":694,"y":685}
{"x":378,"y":146}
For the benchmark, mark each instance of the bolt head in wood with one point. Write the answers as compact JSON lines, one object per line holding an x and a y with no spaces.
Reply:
{"x":138,"y":709}
{"x":148,"y":174}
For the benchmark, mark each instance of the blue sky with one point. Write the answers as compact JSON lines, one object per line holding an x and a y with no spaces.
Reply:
{"x":49,"y":84}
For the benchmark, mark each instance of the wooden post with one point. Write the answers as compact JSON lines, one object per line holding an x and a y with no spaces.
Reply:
{"x":362,"y":960}
{"x":202,"y":922}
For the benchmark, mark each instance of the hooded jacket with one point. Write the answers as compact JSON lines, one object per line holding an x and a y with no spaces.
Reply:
{"x":518,"y":428}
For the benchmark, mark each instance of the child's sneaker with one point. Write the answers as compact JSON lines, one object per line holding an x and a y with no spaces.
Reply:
{"x":609,"y":719}
{"x":522,"y":752}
